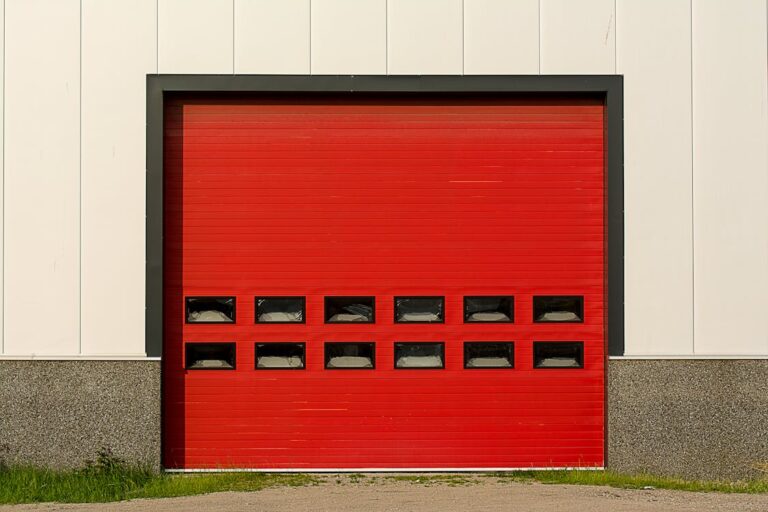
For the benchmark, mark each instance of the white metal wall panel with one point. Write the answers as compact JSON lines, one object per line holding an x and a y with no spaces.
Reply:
{"x":425,"y":37}
{"x":654,"y":55}
{"x":501,"y":37}
{"x":195,"y":36}
{"x":119,"y":48}
{"x":730,"y":162}
{"x":42,"y":169}
{"x":272,"y":37}
{"x":349,"y":37}
{"x":578,"y":37}
{"x":2,"y":165}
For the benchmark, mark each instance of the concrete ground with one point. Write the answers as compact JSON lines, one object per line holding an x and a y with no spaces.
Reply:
{"x":379,"y":494}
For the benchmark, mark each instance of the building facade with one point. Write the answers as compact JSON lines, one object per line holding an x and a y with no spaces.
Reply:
{"x":687,"y":372}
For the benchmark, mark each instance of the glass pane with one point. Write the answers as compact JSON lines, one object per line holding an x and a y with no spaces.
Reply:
{"x":275,"y":356}
{"x":419,"y":355}
{"x":210,"y":356}
{"x":489,"y":354}
{"x":349,"y":355}
{"x":210,"y":310}
{"x":558,"y":354}
{"x":349,"y":310}
{"x":558,"y":309}
{"x":489,"y":309}
{"x":280,"y":310}
{"x":419,"y":309}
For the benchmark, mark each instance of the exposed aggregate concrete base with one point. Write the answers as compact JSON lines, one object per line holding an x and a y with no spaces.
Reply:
{"x":700,"y":419}
{"x":59,"y":414}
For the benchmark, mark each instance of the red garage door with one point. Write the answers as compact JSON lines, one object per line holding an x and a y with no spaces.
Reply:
{"x":384,"y":282}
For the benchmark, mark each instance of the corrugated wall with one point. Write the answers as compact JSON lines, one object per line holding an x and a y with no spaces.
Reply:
{"x":696,"y":141}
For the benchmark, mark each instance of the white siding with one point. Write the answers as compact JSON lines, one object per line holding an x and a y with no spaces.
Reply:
{"x":2,"y":166}
{"x":696,"y":141}
{"x":272,"y":37}
{"x":195,"y":36}
{"x":119,"y":48}
{"x":578,"y":37}
{"x":349,"y":37}
{"x":425,"y":37}
{"x":501,"y":37}
{"x":730,"y":197}
{"x":654,"y":55}
{"x":42,"y":169}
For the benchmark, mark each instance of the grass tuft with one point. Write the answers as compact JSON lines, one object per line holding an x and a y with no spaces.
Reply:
{"x":612,"y":479}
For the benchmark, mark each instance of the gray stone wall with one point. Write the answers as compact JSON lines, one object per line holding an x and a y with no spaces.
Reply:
{"x":702,"y":419}
{"x":61,"y":413}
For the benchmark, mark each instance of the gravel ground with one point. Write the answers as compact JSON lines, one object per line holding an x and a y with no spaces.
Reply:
{"x":476,"y":494}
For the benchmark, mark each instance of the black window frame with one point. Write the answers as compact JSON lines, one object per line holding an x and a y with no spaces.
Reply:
{"x":399,"y":297}
{"x":441,"y":344}
{"x":539,"y":343}
{"x":580,"y":313}
{"x":299,"y":297}
{"x":328,"y":298}
{"x":225,"y":322}
{"x":511,"y":353}
{"x":301,"y":344}
{"x":326,"y":344}
{"x":511,"y":309}
{"x":188,"y":345}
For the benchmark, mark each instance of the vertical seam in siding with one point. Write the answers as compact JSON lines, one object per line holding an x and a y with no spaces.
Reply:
{"x":539,"y":34}
{"x":615,"y":38}
{"x":310,"y":37}
{"x":233,"y":36}
{"x":386,"y":37}
{"x":693,"y":191}
{"x":463,"y":45}
{"x":157,"y":36}
{"x":80,"y":193}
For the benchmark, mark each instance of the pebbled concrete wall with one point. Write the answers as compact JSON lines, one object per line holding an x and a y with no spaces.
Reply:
{"x":702,"y":419}
{"x":59,"y":414}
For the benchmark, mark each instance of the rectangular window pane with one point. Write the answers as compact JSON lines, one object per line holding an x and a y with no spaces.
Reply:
{"x":349,"y":355}
{"x":280,"y":356}
{"x":558,"y":354}
{"x":342,"y":310}
{"x":210,"y":356}
{"x":486,"y":354}
{"x":419,"y":309}
{"x":210,"y":310}
{"x":554,"y":308}
{"x":280,"y":310}
{"x":420,"y":355}
{"x":490,"y":309}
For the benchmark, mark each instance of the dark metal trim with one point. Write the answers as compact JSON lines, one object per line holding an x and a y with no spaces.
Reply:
{"x":610,"y":87}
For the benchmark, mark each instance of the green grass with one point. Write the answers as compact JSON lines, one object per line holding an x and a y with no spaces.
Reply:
{"x":108,"y":481}
{"x":611,"y":479}
{"x":32,"y":485}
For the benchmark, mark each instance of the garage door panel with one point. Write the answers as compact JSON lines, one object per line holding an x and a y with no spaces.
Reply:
{"x":384,"y":197}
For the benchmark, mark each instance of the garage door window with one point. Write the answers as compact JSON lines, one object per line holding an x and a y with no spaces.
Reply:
{"x":567,"y":309}
{"x":482,"y":354}
{"x":346,"y":310}
{"x":210,"y":356}
{"x":350,"y":356}
{"x":419,"y":309}
{"x":210,"y":310}
{"x":489,"y":309}
{"x":280,"y":356}
{"x":558,"y":354}
{"x":419,"y":355}
{"x":280,"y":310}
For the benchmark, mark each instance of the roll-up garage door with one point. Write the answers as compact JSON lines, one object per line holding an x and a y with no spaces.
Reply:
{"x":384,"y":282}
